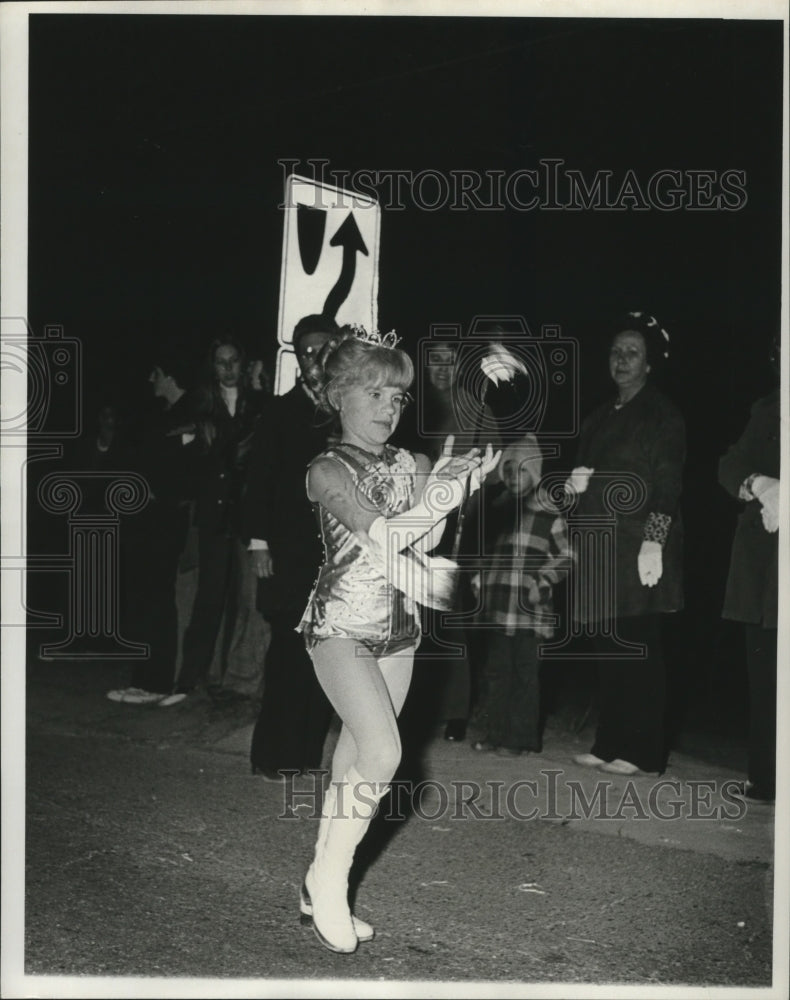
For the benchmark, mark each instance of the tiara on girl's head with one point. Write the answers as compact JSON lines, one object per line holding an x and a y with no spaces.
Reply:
{"x":390,"y":339}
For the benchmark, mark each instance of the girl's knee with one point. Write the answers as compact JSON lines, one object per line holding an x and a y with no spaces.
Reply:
{"x":381,"y":763}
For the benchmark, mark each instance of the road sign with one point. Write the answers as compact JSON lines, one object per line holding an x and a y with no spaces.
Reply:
{"x":330,"y":263}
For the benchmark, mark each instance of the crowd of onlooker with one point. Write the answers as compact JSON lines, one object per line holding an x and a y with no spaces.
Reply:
{"x":218,"y":566}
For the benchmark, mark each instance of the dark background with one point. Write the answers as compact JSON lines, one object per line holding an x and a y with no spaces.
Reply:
{"x":154,"y":187}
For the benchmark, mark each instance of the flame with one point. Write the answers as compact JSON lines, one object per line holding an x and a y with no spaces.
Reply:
{"x":500,"y":365}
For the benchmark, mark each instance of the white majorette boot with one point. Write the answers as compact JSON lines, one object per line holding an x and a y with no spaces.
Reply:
{"x":326,"y":882}
{"x":363,"y":930}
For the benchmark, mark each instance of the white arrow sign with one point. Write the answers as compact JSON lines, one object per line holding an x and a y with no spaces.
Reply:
{"x":330,"y":263}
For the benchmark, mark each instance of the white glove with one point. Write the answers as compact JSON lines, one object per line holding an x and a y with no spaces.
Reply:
{"x":487,"y":464}
{"x":649,"y":564}
{"x":578,"y":480}
{"x":444,"y":491}
{"x":446,"y":483}
{"x":766,"y":489}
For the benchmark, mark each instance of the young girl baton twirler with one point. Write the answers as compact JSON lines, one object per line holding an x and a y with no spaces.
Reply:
{"x":381,"y":510}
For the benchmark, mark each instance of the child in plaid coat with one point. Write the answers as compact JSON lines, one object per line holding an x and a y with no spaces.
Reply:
{"x":530,"y":554}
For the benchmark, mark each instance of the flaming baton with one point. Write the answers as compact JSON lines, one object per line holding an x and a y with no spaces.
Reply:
{"x":498,"y":366}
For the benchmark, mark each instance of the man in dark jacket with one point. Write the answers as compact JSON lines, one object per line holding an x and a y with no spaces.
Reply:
{"x":285,"y":551}
{"x":152,"y":540}
{"x":750,"y":472}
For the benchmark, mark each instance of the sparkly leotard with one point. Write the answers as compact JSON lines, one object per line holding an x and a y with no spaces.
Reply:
{"x":352,"y":598}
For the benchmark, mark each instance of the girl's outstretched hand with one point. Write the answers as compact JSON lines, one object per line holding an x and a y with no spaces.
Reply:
{"x":447,"y":481}
{"x":488,"y":461}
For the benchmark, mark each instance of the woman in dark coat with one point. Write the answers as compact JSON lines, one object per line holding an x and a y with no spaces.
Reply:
{"x":750,"y":473}
{"x":629,"y":475}
{"x":227,"y":411}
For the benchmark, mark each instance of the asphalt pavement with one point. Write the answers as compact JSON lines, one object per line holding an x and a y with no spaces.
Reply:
{"x":156,"y":864}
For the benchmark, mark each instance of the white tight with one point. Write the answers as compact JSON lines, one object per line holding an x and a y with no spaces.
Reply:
{"x":368,"y":694}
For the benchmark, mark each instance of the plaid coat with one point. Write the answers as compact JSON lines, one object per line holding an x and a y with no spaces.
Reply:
{"x":527,"y":555}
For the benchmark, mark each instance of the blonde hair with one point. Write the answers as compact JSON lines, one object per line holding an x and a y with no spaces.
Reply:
{"x":348,"y":361}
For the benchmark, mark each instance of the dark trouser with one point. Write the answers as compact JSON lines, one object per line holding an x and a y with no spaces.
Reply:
{"x":761,"y":667}
{"x":443,"y":656}
{"x":149,"y":567}
{"x":632,"y":698}
{"x":295,"y":712}
{"x":220,"y":565}
{"x":512,"y":690}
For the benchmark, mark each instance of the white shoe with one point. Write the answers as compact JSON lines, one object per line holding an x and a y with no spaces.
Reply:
{"x":331,"y":918}
{"x":172,"y":699}
{"x":363,"y":929}
{"x":134,"y":696}
{"x":618,"y":766}
{"x":588,"y":760}
{"x":326,"y":882}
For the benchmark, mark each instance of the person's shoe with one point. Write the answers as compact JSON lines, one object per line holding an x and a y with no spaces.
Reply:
{"x":753,"y":793}
{"x":618,"y":766}
{"x":326,"y":881}
{"x":588,"y":760}
{"x":363,"y":930}
{"x":455,"y":730}
{"x":508,"y":752}
{"x":173,"y":699}
{"x":483,"y":745}
{"x":135,"y":696}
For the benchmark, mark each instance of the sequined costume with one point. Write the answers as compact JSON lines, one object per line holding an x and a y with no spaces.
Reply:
{"x":352,"y":598}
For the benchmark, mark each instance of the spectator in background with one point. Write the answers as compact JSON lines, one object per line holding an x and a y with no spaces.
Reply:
{"x":530,"y":547}
{"x":104,"y":445}
{"x":241,"y":661}
{"x":152,"y":540}
{"x":226,"y":414}
{"x":100,"y":450}
{"x":638,"y":433}
{"x":750,"y":473}
{"x":285,"y":553}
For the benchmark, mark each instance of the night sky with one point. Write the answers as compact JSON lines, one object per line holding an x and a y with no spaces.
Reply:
{"x":154,"y":186}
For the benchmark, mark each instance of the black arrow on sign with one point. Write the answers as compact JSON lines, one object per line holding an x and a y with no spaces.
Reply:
{"x":350,"y":238}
